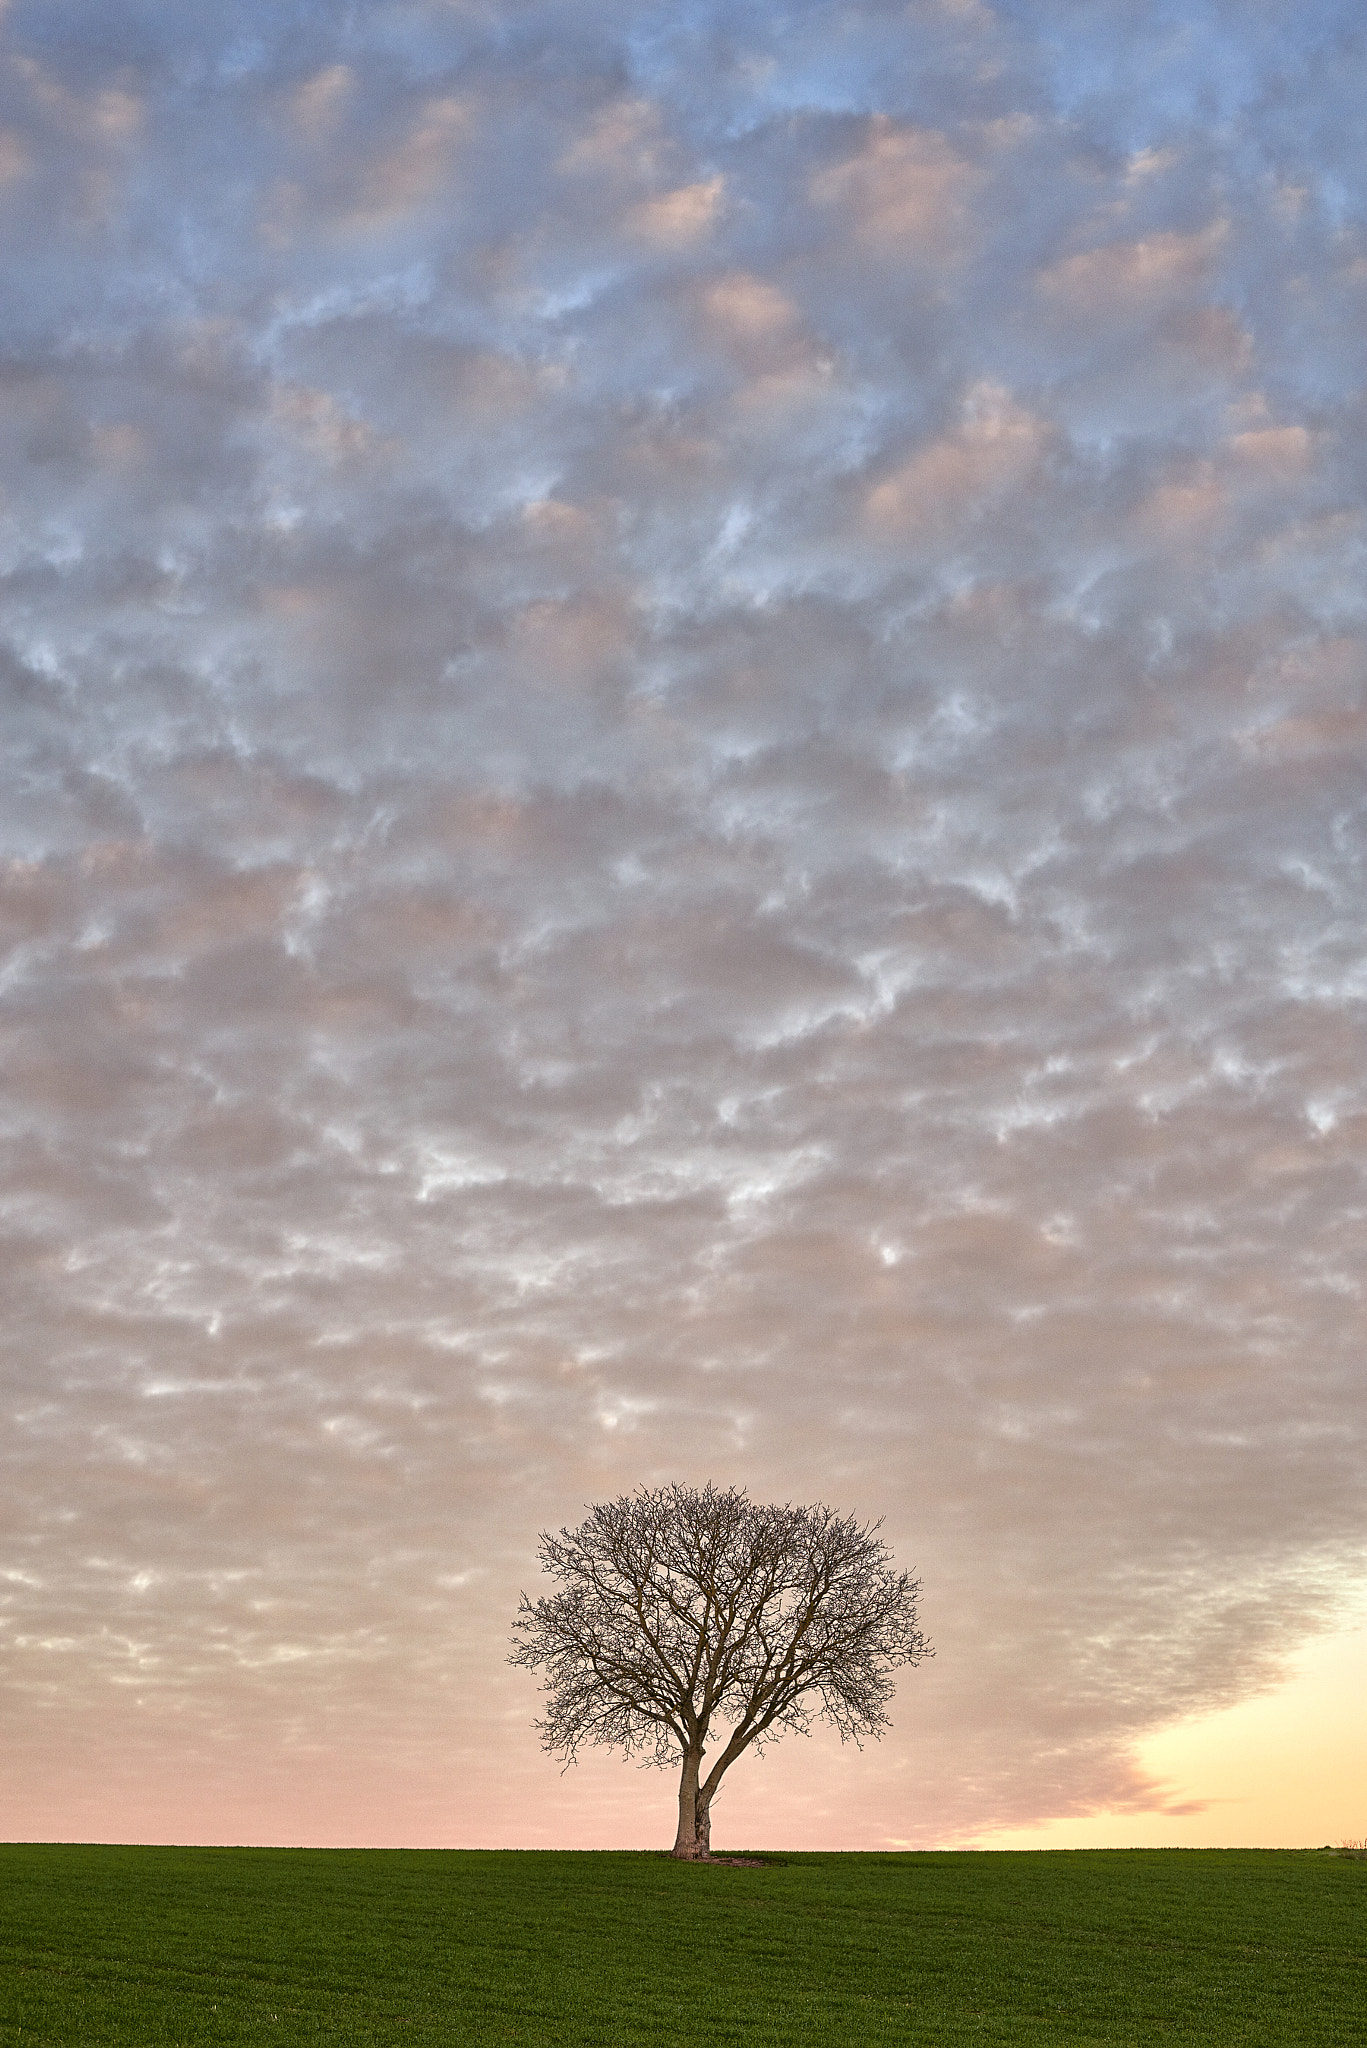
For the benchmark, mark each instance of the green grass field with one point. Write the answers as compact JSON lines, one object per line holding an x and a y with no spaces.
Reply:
{"x":152,"y":1946}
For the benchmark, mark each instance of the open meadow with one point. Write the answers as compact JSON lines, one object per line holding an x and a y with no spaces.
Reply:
{"x":153,"y":1946}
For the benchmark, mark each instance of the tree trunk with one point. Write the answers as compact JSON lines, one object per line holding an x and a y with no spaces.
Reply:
{"x":689,"y":1845}
{"x":704,"y":1828}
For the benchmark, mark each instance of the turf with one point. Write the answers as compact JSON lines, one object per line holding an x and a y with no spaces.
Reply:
{"x":152,"y":1946}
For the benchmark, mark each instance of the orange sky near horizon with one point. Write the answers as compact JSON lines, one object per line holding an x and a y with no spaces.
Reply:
{"x":1284,"y":1770}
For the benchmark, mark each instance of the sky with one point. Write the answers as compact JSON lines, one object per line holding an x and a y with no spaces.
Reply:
{"x":684,"y":714}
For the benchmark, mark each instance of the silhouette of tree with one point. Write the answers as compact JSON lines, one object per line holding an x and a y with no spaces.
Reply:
{"x":679,"y":1609}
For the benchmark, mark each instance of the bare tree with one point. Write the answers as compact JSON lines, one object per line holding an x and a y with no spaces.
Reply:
{"x":677,"y":1609}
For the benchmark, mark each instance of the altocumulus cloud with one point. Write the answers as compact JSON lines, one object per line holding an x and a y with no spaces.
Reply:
{"x":684,"y":706}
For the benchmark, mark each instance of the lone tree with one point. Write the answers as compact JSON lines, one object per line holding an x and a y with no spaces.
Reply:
{"x":677,"y":1609}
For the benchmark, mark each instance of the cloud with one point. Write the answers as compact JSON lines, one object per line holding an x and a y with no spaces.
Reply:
{"x":682,"y":799}
{"x":1132,"y":277}
{"x":992,"y":451}
{"x":906,"y":191}
{"x":676,"y":220}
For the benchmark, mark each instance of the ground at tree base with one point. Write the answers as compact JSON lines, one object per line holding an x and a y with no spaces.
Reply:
{"x":170,"y":1948}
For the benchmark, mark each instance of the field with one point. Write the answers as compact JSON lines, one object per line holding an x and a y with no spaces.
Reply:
{"x":153,"y":1946}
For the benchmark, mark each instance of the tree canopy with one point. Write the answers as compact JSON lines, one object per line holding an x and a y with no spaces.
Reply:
{"x":680,"y":1610}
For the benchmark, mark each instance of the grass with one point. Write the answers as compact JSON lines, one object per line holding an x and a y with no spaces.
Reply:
{"x":163,"y":1946}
